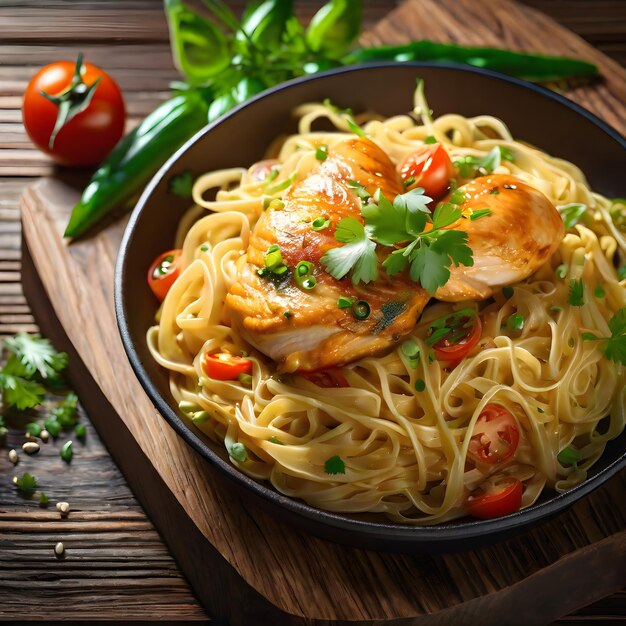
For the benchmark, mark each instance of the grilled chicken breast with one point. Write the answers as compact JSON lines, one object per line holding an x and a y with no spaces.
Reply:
{"x":306,"y":330}
{"x":523,"y":230}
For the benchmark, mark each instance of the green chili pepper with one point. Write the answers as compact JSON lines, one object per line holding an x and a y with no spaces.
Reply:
{"x":335,"y":27}
{"x":264,"y":26}
{"x":533,"y":67}
{"x":242,"y":91}
{"x":199,"y":47}
{"x":138,"y":157}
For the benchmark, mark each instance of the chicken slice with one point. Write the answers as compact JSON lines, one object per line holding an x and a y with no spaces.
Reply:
{"x":523,"y":230}
{"x":306,"y":330}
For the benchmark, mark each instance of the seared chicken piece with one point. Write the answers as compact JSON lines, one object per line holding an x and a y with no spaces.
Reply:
{"x":306,"y":330}
{"x":522,"y":232}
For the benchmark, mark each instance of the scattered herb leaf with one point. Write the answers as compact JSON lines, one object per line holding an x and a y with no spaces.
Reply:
{"x":182,"y":184}
{"x":335,"y":465}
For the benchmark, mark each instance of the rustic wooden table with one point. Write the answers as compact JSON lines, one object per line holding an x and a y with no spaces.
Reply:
{"x":120,"y":569}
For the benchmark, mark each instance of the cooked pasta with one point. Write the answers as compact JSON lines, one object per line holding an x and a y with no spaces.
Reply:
{"x":400,"y":437}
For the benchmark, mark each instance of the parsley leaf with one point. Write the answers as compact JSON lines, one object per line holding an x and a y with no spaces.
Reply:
{"x":576,"y":296}
{"x":182,"y":184}
{"x":470,"y":166}
{"x":334,"y":465}
{"x":66,"y":413}
{"x":616,"y":346}
{"x":429,"y":268}
{"x":572,"y":213}
{"x":17,"y":390}
{"x":27,"y":484}
{"x":358,"y":254}
{"x":37,"y":355}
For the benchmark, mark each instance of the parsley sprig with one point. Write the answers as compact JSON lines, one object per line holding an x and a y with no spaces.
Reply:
{"x":615,"y":348}
{"x":471,"y":166}
{"x":423,"y":241}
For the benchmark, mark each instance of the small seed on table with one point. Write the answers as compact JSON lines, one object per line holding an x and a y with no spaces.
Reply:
{"x":15,"y":480}
{"x":59,"y":549}
{"x":13,"y":457}
{"x":30,"y":447}
{"x":44,"y":435}
{"x":29,"y":437}
{"x":63,"y":507}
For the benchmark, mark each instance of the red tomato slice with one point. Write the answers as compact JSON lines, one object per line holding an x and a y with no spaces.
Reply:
{"x":223,"y":366}
{"x":164,"y":270}
{"x":454,"y":353}
{"x":495,"y":437}
{"x":330,"y":378}
{"x":431,"y":168}
{"x":496,"y":498}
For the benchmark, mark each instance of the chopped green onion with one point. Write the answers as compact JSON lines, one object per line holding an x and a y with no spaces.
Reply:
{"x":308,"y":283}
{"x":495,"y":191}
{"x":288,"y":314}
{"x":515,"y":322}
{"x":361,"y":310}
{"x":320,"y":223}
{"x":204,"y":248}
{"x":303,"y":268}
{"x":599,"y":292}
{"x":238,"y":452}
{"x":276,"y":204}
{"x":621,"y":272}
{"x":561,"y":270}
{"x":304,"y":277}
{"x":476,"y":215}
{"x":410,"y":349}
{"x":568,"y":456}
{"x":321,"y":153}
{"x":420,"y":385}
{"x":540,"y":410}
{"x":556,"y":309}
{"x":276,"y":440}
{"x":273,"y":173}
{"x":283,"y":184}
{"x":430,"y":140}
{"x":457,"y":197}
{"x":245,"y":379}
{"x":409,"y":181}
{"x":344,"y":303}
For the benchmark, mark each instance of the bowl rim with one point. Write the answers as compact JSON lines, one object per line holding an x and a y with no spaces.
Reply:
{"x":385,"y":531}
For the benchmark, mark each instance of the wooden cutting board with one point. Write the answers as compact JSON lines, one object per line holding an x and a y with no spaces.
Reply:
{"x":247,"y":567}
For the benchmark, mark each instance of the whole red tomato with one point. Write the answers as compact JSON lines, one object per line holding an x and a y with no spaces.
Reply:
{"x":92,"y":113}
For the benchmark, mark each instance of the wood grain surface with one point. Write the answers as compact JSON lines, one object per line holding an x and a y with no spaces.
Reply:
{"x":124,"y":571}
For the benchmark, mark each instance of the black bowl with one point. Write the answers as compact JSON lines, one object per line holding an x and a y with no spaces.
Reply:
{"x":533,"y":114}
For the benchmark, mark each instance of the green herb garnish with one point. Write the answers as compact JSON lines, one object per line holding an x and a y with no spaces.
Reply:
{"x":33,"y":429}
{"x":276,"y":440}
{"x":182,"y":184}
{"x":430,"y":140}
{"x":27,"y":484}
{"x":335,"y":465}
{"x":420,"y":385}
{"x":568,"y":456}
{"x":572,"y":213}
{"x":615,"y":348}
{"x":360,"y":310}
{"x":471,"y":166}
{"x":37,"y":355}
{"x":80,"y":431}
{"x":344,"y":303}
{"x":576,"y":295}
{"x":320,"y":223}
{"x":515,"y":322}
{"x":599,"y":292}
{"x":43,"y":499}
{"x":238,"y":452}
{"x":508,"y":292}
{"x":321,"y":152}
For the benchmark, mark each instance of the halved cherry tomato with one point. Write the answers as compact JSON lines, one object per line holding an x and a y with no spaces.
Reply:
{"x":223,"y":366}
{"x":431,"y":168}
{"x":330,"y":378}
{"x":88,"y":136}
{"x":261,"y":170}
{"x":495,"y":498}
{"x":454,"y":353}
{"x":164,"y":270}
{"x":495,"y":437}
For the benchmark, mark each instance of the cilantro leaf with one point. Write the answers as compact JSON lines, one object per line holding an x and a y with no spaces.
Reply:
{"x":454,"y":244}
{"x":17,"y":390}
{"x":182,"y":184}
{"x":470,"y":166}
{"x":37,"y":355}
{"x":358,"y":254}
{"x":576,"y":296}
{"x":616,"y":346}
{"x":429,"y":266}
{"x":334,"y":465}
{"x":445,"y":214}
{"x":572,"y":213}
{"x":413,"y":201}
{"x":27,"y":484}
